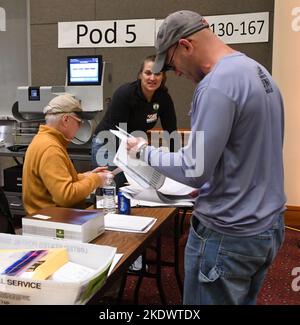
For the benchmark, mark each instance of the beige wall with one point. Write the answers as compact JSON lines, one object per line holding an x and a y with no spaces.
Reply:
{"x":48,"y":63}
{"x":286,"y":71}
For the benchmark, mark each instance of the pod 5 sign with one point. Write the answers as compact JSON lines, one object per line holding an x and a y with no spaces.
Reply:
{"x":118,"y":33}
{"x":239,"y":28}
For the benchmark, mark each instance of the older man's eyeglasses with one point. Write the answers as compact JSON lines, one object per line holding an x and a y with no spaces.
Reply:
{"x":79,"y":120}
{"x":168,"y":66}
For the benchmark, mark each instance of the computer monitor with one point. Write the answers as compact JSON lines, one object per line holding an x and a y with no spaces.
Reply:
{"x":84,"y":70}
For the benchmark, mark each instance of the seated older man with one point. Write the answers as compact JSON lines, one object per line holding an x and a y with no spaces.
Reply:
{"x":49,"y":176}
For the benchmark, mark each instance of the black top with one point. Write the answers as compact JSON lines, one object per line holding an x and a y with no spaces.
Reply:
{"x":130,"y":106}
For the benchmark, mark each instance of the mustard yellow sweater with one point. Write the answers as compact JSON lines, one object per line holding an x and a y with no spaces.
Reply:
{"x":49,"y":177}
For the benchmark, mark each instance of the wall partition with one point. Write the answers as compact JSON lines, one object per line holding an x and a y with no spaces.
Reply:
{"x":14,"y":51}
{"x":48,"y":63}
{"x":286,"y":71}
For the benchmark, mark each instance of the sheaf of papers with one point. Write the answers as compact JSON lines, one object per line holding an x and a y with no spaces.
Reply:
{"x":152,"y":198}
{"x":120,"y":135}
{"x":122,"y":222}
{"x":141,"y":172}
{"x":73,"y":272}
{"x":171,"y":187}
{"x":167,"y":195}
{"x":134,"y":203}
{"x":147,"y":186}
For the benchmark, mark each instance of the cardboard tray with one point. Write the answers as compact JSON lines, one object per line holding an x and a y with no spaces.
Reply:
{"x":20,"y":291}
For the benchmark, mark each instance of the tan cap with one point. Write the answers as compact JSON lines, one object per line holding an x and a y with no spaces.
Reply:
{"x":65,"y":103}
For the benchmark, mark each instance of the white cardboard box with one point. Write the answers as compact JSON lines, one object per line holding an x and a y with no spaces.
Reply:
{"x":65,"y":223}
{"x":18,"y":291}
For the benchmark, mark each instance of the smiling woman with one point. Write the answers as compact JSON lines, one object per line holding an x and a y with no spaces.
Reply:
{"x":150,"y":81}
{"x":135,"y":106}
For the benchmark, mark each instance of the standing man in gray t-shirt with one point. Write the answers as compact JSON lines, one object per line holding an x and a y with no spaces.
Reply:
{"x":235,"y":148}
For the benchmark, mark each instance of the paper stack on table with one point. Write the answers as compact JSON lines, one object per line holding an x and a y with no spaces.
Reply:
{"x":122,"y":222}
{"x":167,"y":195}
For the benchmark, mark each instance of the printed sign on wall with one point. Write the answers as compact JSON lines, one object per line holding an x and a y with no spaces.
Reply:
{"x":246,"y":28}
{"x":241,"y":28}
{"x":115,"y":33}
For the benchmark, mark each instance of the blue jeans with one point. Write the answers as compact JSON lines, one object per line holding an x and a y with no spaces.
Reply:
{"x":103,"y":155}
{"x":222,"y":269}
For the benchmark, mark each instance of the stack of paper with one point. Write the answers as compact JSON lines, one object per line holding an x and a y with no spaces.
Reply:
{"x":147,"y":186}
{"x":145,"y":175}
{"x":121,"y":222}
{"x":73,"y":272}
{"x":167,"y":195}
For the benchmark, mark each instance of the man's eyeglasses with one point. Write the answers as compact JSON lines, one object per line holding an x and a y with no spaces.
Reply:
{"x":79,"y":120}
{"x":168,"y":66}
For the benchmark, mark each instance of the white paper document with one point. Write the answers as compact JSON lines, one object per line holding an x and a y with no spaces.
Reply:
{"x":115,"y":261}
{"x":148,"y":187}
{"x":122,"y":222}
{"x":120,"y":135}
{"x":73,"y":272}
{"x":140,"y":171}
{"x":153,"y":198}
{"x":172,"y":187}
{"x":167,"y":195}
{"x":143,"y":203}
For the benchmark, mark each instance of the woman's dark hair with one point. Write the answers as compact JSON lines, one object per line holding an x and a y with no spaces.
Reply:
{"x":151,"y":58}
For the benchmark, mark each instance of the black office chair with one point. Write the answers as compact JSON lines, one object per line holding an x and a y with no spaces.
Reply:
{"x":6,"y":219}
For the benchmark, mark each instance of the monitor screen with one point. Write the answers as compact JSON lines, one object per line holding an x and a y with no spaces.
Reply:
{"x":84,"y":70}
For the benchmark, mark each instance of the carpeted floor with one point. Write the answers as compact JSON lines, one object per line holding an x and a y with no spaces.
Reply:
{"x":277,"y":288}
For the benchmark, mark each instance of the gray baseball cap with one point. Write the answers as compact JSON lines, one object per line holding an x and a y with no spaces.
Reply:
{"x":177,"y":25}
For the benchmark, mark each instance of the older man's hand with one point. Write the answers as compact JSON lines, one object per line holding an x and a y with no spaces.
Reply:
{"x":96,"y":170}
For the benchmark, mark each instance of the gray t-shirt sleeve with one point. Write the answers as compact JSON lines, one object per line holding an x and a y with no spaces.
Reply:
{"x":194,"y":164}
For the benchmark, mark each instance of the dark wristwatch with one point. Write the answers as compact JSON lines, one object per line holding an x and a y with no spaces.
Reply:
{"x":141,"y":150}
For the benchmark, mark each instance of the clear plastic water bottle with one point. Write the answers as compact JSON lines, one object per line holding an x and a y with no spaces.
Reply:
{"x":109,"y":193}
